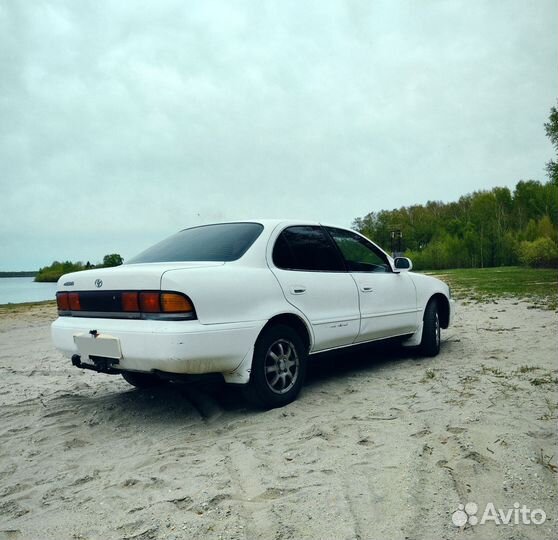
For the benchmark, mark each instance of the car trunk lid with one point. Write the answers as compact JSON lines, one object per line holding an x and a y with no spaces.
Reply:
{"x":126,"y":277}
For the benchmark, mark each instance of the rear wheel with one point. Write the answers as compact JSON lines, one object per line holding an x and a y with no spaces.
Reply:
{"x":278,"y":368}
{"x":430,"y":343}
{"x":141,"y":380}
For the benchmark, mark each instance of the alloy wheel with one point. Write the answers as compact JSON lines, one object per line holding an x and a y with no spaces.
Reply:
{"x":281,"y":366}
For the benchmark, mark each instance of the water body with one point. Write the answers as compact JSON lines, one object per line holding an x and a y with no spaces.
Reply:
{"x":16,"y":290}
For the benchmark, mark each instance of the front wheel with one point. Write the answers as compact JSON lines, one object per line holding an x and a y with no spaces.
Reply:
{"x":430,"y":342}
{"x":278,"y":368}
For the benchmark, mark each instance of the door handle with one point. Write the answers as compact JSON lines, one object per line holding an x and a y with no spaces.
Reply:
{"x":298,"y":289}
{"x":366,"y":288}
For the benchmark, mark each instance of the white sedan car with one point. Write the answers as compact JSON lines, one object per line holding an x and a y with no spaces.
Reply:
{"x":248,"y":300}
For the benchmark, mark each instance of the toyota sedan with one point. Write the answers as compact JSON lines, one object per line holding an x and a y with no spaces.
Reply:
{"x":247,"y":300}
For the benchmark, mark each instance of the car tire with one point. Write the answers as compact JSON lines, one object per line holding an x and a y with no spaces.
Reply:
{"x":278,"y":368}
{"x":430,"y":342}
{"x":141,"y":380}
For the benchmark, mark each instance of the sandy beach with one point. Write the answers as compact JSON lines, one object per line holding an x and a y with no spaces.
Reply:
{"x":380,"y":444}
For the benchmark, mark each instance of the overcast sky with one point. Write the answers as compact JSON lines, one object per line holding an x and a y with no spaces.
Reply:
{"x":122,"y":122}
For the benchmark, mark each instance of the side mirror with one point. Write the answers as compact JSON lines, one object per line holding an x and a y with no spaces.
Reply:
{"x":403,"y":264}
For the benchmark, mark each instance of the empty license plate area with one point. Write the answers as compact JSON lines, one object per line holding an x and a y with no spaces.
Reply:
{"x":100,"y":345}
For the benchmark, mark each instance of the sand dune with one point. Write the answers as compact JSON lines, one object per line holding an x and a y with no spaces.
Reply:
{"x":379,"y":445}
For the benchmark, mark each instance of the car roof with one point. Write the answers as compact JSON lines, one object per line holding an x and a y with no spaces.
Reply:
{"x":269,"y":223}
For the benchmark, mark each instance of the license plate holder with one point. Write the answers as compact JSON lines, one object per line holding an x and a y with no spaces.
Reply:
{"x":98,"y":345}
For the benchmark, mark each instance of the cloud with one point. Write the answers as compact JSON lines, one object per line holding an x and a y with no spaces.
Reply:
{"x":120,"y":124}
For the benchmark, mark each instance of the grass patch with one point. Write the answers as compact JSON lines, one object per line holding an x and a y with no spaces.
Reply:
{"x":429,"y":374}
{"x":538,"y":286}
{"x":487,"y":370}
{"x":550,"y":413}
{"x":548,"y":379}
{"x":546,"y":461}
{"x":527,"y":369}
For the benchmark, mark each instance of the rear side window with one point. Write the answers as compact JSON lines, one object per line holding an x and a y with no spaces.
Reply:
{"x":306,"y":248}
{"x":221,"y":242}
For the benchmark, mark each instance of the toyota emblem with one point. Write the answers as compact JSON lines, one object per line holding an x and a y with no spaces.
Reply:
{"x":98,"y":283}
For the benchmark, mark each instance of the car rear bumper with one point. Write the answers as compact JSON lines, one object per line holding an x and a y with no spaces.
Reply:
{"x":183,"y":347}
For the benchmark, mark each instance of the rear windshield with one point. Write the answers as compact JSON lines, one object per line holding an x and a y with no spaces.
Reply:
{"x":222,"y":242}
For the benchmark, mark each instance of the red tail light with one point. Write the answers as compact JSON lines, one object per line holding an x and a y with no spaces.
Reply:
{"x":73,"y":299}
{"x":62,"y":301}
{"x":130,"y":301}
{"x":149,"y":302}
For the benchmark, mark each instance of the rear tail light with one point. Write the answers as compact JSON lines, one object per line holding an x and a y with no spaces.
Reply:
{"x":130,"y":301}
{"x":126,"y":304}
{"x":62,"y":301}
{"x":149,"y":302}
{"x":175,"y":303}
{"x":73,"y":299}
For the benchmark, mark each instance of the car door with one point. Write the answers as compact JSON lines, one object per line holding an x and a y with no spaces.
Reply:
{"x":388,"y":300}
{"x":313,"y":277}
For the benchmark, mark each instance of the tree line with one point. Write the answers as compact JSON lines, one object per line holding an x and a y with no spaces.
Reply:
{"x":499,"y":227}
{"x":18,"y":274}
{"x":54,"y":271}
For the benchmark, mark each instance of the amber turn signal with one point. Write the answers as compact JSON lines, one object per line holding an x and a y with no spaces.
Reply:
{"x":175,"y":303}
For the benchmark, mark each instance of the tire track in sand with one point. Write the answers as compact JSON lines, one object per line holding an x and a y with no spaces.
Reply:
{"x":249,"y":492}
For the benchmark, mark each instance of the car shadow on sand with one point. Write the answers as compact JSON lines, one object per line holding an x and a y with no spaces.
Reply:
{"x":207,"y":399}
{"x":366,"y":358}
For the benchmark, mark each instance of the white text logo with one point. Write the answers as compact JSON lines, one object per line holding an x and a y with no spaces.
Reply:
{"x":518,"y":515}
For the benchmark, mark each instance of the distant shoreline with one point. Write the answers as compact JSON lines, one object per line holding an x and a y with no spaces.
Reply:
{"x":18,"y":274}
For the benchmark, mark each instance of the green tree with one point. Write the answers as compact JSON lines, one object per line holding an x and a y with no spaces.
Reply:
{"x":546,"y":229}
{"x":529,"y":201}
{"x":114,"y":259}
{"x":551,"y":128}
{"x":481,"y":229}
{"x":53,"y":272}
{"x":540,"y":253}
